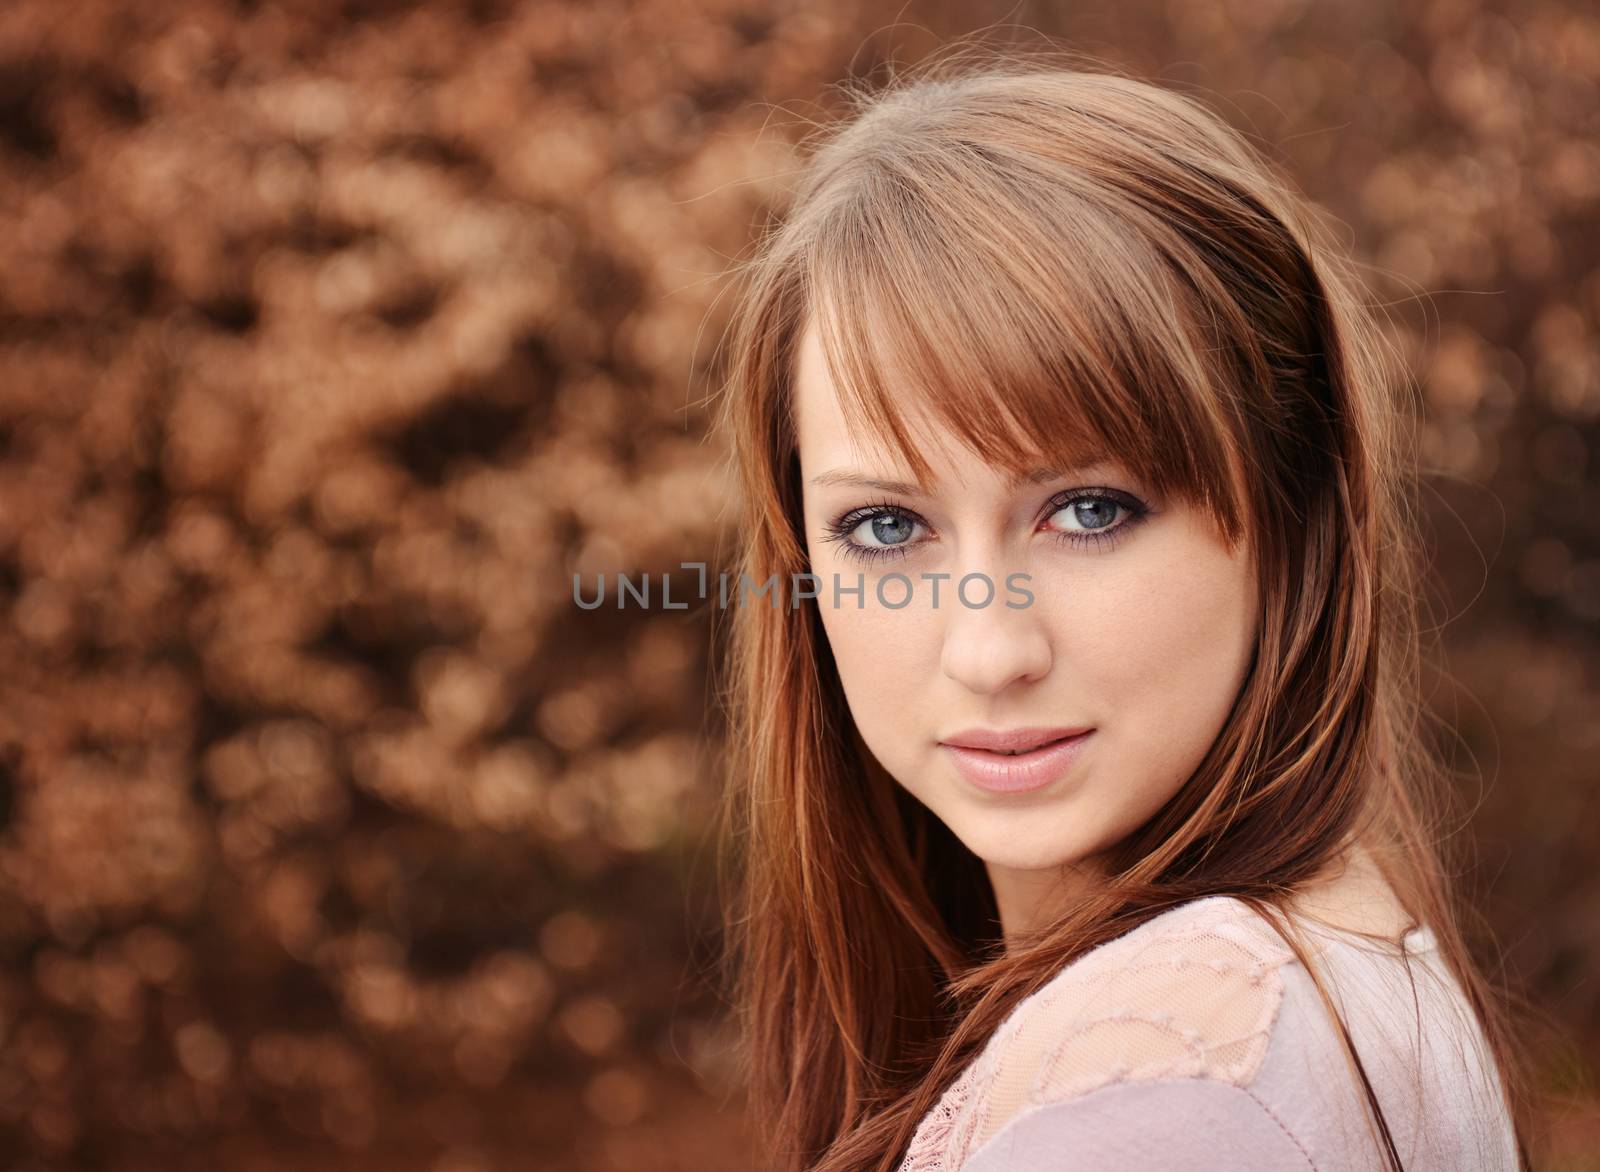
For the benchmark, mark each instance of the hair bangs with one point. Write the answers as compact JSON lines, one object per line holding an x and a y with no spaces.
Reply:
{"x":1038,"y":339}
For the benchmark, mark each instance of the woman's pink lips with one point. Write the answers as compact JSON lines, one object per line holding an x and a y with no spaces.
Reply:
{"x":1008,"y":773}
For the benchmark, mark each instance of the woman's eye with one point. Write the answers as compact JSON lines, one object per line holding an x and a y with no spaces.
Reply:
{"x":1089,"y":513}
{"x":1092,"y":518}
{"x":885,"y":529}
{"x":1084,"y":518}
{"x":887,"y":533}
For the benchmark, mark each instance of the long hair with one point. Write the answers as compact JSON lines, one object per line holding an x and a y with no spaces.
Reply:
{"x":1067,"y":259}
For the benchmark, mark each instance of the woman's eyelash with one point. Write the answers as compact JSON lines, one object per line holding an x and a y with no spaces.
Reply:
{"x":840,"y":530}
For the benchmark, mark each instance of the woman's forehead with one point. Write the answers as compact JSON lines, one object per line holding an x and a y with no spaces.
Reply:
{"x":837,"y":438}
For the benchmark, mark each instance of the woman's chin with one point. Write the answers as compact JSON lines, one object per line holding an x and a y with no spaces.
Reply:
{"x":1015,"y":850}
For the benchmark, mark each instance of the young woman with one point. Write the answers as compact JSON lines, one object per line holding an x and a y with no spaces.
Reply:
{"x":1079,"y":799}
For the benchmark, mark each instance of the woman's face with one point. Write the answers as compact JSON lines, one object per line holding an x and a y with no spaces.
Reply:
{"x":1140,"y":628}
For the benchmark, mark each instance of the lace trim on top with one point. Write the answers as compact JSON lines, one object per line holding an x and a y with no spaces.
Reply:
{"x":1192,"y":993}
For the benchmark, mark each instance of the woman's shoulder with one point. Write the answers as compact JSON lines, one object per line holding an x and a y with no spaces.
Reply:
{"x":1191,"y":993}
{"x":1200,"y":991}
{"x":1180,"y":1021}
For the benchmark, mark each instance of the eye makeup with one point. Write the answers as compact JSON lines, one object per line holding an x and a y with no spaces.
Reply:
{"x":844,"y":530}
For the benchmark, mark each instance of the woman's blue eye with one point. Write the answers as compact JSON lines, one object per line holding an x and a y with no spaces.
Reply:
{"x":886,"y":530}
{"x":889,"y":528}
{"x":1094,"y":517}
{"x":876,"y":535}
{"x":1091,"y":512}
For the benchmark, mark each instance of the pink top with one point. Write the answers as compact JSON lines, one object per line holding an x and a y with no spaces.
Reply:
{"x":1198,"y":1041}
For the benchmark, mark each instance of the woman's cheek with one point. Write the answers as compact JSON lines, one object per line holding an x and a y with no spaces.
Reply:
{"x":888,"y":664}
{"x":874,"y":644}
{"x":1169,"y":668}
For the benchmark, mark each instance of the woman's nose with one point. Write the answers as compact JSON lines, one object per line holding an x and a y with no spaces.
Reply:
{"x":986,"y":648}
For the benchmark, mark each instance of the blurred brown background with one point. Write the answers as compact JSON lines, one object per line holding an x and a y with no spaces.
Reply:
{"x":334,"y":337}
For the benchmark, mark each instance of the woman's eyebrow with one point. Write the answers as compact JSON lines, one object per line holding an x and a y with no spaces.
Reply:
{"x":851,"y":478}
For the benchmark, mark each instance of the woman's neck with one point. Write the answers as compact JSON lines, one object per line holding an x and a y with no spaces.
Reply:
{"x":1350,"y":893}
{"x":1028,"y":899}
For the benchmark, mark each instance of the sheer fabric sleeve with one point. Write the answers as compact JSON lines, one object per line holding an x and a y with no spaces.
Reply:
{"x":1197,"y":1042}
{"x":1190,"y":1000}
{"x":1193,"y":1124}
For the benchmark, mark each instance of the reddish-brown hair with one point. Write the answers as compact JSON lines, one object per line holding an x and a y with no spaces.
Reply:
{"x":1062,"y":258}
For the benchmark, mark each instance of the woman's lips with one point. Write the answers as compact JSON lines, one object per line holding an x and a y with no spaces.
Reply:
{"x":1014,"y":773}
